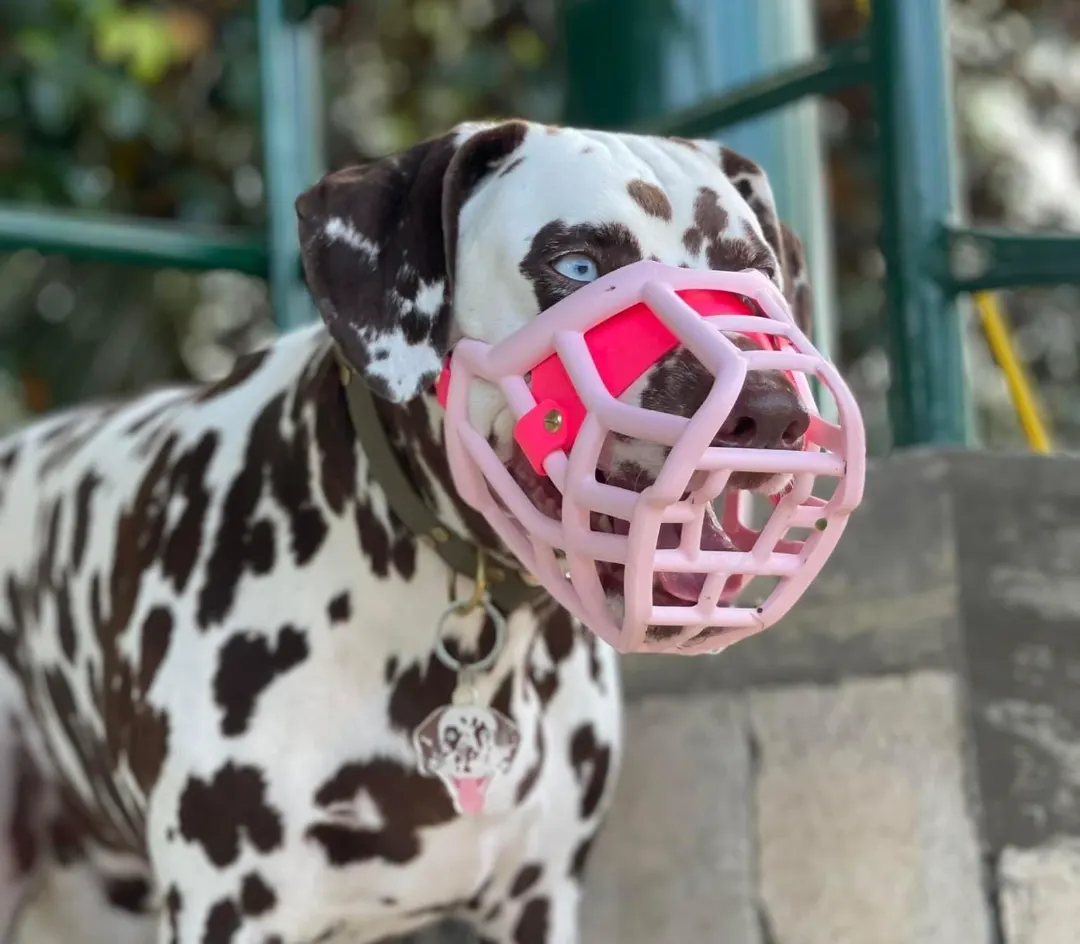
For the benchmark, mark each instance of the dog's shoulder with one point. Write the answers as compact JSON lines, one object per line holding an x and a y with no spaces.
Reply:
{"x":96,"y":500}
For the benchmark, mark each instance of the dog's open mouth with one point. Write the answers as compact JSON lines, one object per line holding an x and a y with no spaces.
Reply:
{"x":670,"y":589}
{"x":677,"y":588}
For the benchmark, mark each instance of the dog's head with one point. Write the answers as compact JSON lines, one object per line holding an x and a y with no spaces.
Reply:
{"x":474,"y":233}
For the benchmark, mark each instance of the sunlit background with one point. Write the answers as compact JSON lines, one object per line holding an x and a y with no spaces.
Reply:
{"x":153,"y":109}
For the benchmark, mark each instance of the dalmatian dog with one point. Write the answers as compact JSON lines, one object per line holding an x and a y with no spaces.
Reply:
{"x":217,"y":640}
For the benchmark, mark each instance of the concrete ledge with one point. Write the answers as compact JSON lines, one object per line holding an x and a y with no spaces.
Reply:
{"x":1040,"y":894}
{"x":1018,"y":544}
{"x":864,"y":827}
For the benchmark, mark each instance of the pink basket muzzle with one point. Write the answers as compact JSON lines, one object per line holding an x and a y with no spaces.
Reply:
{"x":621,"y":559}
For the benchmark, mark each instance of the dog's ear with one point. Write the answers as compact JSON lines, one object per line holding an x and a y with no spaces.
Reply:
{"x":378,"y":245}
{"x":750,"y":180}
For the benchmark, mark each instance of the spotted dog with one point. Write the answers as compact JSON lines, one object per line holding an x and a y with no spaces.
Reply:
{"x":217,"y":637}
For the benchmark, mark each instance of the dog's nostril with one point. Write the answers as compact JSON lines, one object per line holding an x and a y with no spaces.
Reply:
{"x":766,"y":415}
{"x":796,"y":429}
{"x":738,"y":430}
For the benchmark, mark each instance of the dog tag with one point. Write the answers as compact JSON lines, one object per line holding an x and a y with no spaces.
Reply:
{"x":466,"y":746}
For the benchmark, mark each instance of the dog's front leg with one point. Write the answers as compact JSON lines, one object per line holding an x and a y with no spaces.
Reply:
{"x":188,"y":917}
{"x":216,"y":850}
{"x":547,"y":912}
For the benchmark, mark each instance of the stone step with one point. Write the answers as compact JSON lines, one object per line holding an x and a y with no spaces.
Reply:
{"x":1040,"y":893}
{"x":796,"y":815}
{"x":676,"y":860}
{"x":865,"y":829}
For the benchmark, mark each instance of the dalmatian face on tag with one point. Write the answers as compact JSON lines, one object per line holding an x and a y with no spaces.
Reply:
{"x":466,"y":747}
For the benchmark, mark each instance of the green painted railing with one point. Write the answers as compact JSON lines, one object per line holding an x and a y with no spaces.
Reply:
{"x":292,"y":132}
{"x":615,"y":53}
{"x":930,"y":259}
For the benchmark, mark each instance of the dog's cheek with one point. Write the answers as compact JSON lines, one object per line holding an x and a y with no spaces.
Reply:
{"x":635,"y":463}
{"x":635,"y":394}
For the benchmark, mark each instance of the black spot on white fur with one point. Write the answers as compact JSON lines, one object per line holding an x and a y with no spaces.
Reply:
{"x":221,"y":813}
{"x":248,"y":665}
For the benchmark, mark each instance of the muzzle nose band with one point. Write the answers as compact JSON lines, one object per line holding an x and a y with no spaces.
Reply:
{"x":622,"y":348}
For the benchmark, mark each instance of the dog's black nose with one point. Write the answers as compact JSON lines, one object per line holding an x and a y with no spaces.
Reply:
{"x":767,"y":415}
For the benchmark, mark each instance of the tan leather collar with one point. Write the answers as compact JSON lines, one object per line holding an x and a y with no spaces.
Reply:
{"x":507,"y":587}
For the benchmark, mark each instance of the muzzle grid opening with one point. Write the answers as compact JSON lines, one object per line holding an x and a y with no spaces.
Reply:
{"x":665,"y":561}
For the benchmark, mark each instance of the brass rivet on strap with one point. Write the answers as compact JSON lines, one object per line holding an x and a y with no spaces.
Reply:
{"x":530,"y":580}
{"x":440,"y":534}
{"x":553,"y":420}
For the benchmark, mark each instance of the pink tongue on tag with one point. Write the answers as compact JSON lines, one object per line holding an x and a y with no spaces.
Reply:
{"x":688,"y":586}
{"x":470,"y":793}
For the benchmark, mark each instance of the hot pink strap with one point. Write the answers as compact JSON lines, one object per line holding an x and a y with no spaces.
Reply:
{"x":623,"y":347}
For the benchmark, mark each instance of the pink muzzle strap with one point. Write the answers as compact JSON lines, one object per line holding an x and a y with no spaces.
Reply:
{"x":623,"y":347}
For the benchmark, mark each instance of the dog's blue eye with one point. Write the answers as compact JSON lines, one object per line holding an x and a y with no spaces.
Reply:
{"x":576,"y":266}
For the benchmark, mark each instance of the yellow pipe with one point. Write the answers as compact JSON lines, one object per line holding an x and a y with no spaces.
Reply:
{"x":996,"y":329}
{"x":998,"y":336}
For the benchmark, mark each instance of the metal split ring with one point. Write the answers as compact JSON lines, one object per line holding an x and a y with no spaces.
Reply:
{"x":458,"y":609}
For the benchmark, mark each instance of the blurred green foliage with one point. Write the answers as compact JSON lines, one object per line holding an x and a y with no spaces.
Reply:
{"x":134,"y":109}
{"x":152,"y":109}
{"x":139,"y":109}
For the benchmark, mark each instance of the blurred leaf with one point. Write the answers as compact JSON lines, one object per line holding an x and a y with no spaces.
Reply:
{"x":126,"y":112}
{"x":36,"y":46}
{"x":190,"y":33}
{"x":53,"y":102}
{"x":526,"y":47}
{"x":36,"y":393}
{"x":432,"y":17}
{"x":145,"y":41}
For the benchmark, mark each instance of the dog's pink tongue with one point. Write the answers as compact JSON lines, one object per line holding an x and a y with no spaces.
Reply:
{"x":470,"y":792}
{"x":689,"y":586}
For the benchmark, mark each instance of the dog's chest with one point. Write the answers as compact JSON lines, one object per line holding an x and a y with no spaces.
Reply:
{"x":365,"y":840}
{"x":326,"y":746}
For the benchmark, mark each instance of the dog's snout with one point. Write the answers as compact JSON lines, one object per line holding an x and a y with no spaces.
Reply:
{"x":767,"y":415}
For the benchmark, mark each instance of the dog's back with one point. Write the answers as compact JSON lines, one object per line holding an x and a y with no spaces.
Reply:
{"x":101,"y":507}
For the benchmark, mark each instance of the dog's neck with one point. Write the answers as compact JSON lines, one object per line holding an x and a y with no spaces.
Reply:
{"x":415,"y":433}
